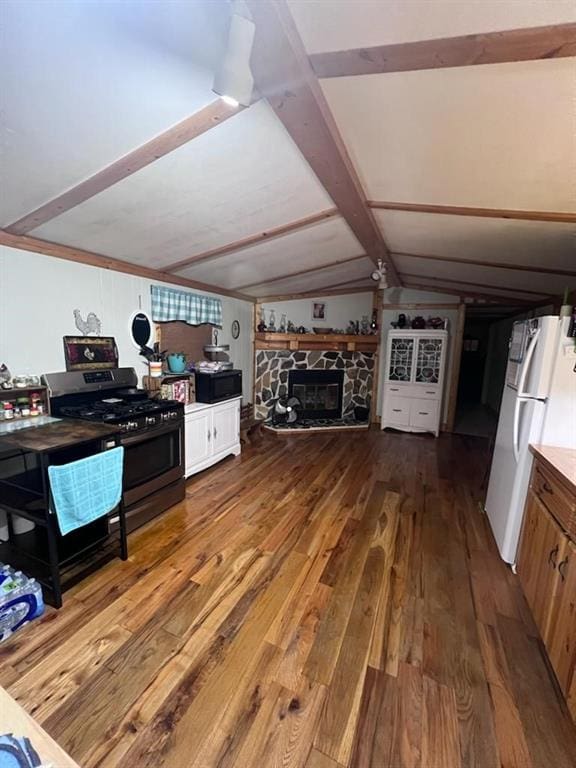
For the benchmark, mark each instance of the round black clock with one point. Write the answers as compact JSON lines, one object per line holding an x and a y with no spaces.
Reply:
{"x":235,"y":329}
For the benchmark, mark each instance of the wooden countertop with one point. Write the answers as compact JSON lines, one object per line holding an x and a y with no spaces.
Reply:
{"x":560,"y":461}
{"x":59,"y":434}
{"x":15,"y":720}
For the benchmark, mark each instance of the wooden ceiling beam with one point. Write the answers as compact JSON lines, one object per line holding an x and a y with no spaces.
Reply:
{"x":35,"y":245}
{"x":259,"y":237}
{"x":486,"y":213}
{"x":465,"y":293}
{"x":300,"y":272}
{"x":206,"y":118}
{"x":549,"y":42}
{"x":284,"y":76}
{"x":411,"y":275}
{"x":491,"y":264}
{"x":314,"y":294}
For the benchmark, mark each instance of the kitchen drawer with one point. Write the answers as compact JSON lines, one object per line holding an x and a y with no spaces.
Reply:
{"x":426,"y":391}
{"x":397,"y":410}
{"x":424,"y":413}
{"x":558,"y":500}
{"x":399,"y":390}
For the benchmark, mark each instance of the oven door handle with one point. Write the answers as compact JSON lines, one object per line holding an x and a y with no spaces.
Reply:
{"x":142,"y":436}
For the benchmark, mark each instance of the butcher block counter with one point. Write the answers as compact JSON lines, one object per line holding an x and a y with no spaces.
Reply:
{"x":54,"y":435}
{"x":547,"y":559}
{"x":15,"y":720}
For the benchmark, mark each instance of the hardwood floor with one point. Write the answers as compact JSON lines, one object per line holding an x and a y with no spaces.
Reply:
{"x":320,"y":601}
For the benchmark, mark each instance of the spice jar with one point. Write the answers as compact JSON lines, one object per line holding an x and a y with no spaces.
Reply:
{"x":8,"y":410}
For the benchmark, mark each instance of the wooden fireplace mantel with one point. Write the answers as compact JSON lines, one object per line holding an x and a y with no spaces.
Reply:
{"x":317,"y":341}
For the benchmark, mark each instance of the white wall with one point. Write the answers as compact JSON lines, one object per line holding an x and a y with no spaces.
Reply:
{"x":339,"y":310}
{"x":39,"y":293}
{"x":398,"y":296}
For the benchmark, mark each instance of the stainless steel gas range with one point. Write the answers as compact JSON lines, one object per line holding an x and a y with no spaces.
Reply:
{"x":151,"y":431}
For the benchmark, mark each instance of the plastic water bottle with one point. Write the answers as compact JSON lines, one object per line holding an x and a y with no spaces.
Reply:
{"x":20,"y":600}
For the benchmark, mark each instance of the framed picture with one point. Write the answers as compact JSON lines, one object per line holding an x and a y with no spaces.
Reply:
{"x":90,"y":353}
{"x":318,"y":310}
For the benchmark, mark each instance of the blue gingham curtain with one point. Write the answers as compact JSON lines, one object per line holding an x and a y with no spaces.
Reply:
{"x":171,"y":304}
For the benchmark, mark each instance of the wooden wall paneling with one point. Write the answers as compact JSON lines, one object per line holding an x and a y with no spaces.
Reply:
{"x":301,"y":272}
{"x":314,"y":294}
{"x":35,"y":245}
{"x":494,"y":264}
{"x":284,"y":76}
{"x":455,"y":369}
{"x":377,"y":305}
{"x":259,"y":237}
{"x":189,"y":339}
{"x":208,"y":117}
{"x":548,"y":42}
{"x":487,"y":213}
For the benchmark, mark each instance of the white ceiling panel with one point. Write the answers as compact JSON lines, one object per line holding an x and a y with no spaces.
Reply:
{"x":469,"y":288}
{"x":485,"y":276}
{"x":84,"y":82}
{"x":500,"y":136}
{"x":501,"y":240}
{"x":328,"y":241}
{"x":357,"y":272}
{"x":238,"y":179}
{"x":333,"y":26}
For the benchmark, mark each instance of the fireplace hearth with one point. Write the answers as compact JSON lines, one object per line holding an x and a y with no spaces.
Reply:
{"x":319,"y":391}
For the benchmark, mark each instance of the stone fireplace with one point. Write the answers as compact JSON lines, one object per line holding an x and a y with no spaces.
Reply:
{"x":355,"y":369}
{"x":320,"y":392}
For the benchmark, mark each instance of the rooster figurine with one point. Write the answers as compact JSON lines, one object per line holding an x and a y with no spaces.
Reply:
{"x":92,"y":323}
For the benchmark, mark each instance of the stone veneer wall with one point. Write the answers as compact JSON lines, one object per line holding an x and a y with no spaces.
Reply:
{"x":272,"y":366}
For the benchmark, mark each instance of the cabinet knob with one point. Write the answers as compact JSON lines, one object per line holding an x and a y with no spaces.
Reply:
{"x":562,"y":567}
{"x":546,"y":487}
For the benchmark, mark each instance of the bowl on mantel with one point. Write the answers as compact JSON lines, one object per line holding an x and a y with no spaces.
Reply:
{"x":323,"y":330}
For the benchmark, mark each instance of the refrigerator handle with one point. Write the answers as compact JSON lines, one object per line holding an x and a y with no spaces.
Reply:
{"x":525,"y":368}
{"x":516,"y":431}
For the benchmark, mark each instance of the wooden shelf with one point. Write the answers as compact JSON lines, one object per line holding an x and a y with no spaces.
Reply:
{"x":318,"y":341}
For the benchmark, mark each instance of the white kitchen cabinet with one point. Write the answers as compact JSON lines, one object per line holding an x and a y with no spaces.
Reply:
{"x":414,"y":380}
{"x":212,"y":432}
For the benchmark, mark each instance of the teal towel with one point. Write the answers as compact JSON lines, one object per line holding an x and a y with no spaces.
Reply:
{"x":84,"y":490}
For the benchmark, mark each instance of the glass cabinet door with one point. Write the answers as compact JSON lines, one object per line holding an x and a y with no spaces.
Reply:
{"x":401,"y":359}
{"x":428,"y":360}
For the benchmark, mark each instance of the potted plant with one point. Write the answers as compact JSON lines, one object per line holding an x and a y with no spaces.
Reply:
{"x":177,"y":362}
{"x":155,"y":358}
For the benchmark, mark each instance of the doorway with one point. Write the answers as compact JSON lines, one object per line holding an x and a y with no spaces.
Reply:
{"x":474,"y":415}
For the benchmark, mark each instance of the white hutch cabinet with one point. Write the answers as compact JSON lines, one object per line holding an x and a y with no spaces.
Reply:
{"x":414,"y":380}
{"x":211,"y":432}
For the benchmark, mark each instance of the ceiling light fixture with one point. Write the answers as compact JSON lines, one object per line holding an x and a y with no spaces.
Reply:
{"x":233,"y":81}
{"x":379,"y":275}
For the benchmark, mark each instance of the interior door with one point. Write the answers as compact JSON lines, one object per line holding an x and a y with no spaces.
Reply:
{"x":401,"y":358}
{"x":541,"y":550}
{"x":197,"y":437}
{"x":225,"y":426}
{"x":560,"y":634}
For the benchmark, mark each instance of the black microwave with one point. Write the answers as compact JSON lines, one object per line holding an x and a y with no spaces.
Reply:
{"x":213,"y":387}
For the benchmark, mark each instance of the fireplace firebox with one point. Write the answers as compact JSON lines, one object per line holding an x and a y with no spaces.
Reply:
{"x":319,"y":391}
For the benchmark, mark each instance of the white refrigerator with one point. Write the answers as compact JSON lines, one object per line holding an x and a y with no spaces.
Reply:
{"x":538,"y":406}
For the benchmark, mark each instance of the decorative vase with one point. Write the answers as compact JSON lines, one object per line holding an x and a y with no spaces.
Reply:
{"x":176,"y":362}
{"x":155,"y":367}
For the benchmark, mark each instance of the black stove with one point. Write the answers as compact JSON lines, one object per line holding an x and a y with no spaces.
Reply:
{"x":130,"y":415}
{"x":151,"y":432}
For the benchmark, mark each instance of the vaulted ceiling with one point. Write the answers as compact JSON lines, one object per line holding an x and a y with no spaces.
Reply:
{"x":451,"y":158}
